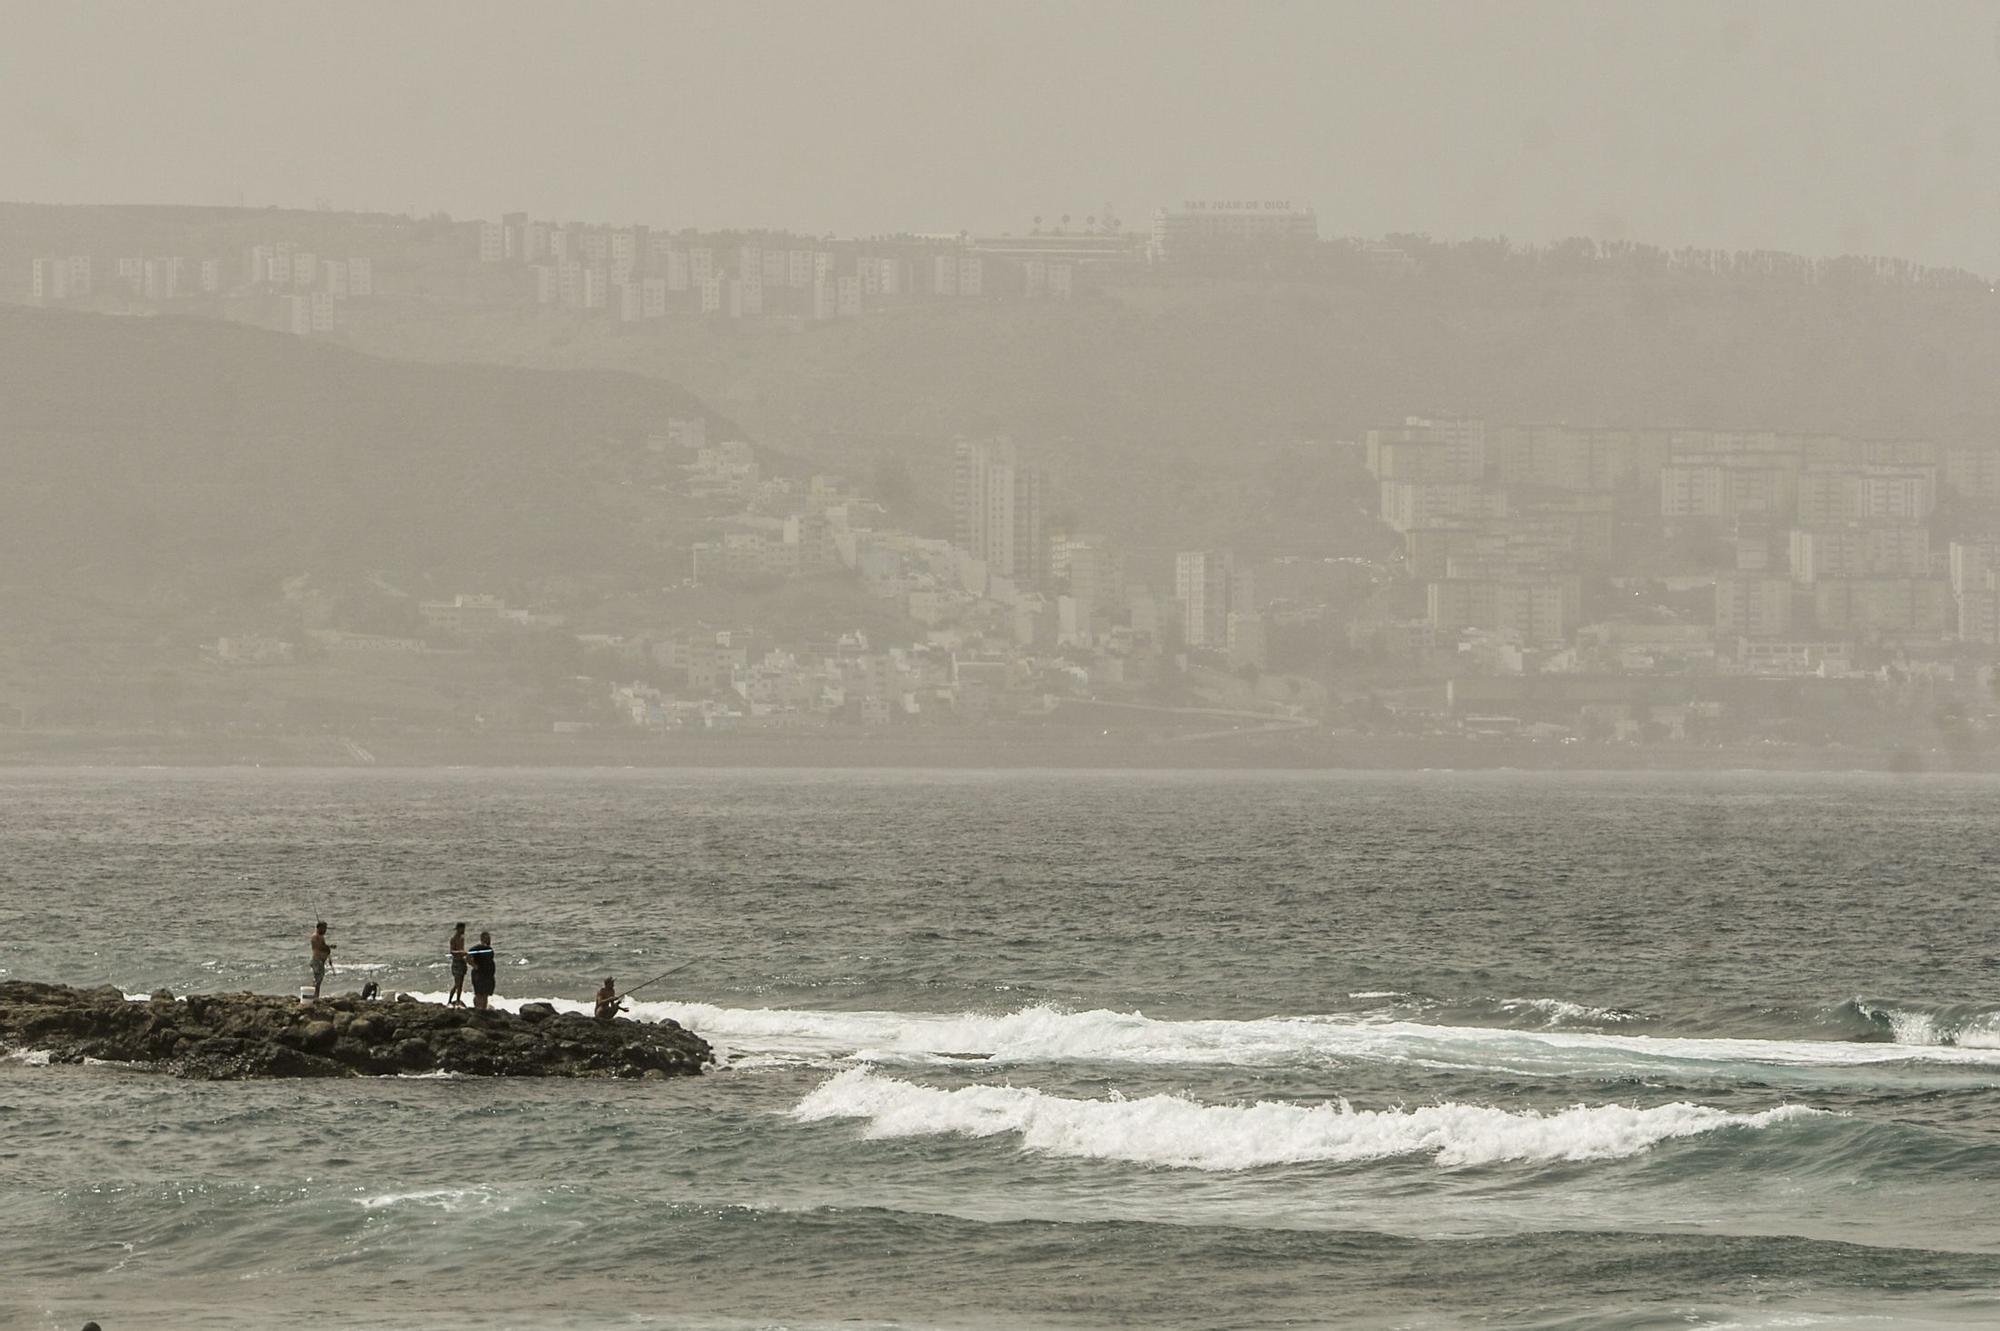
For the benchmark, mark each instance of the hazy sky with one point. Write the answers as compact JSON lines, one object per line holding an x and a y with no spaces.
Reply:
{"x":1817,"y":127}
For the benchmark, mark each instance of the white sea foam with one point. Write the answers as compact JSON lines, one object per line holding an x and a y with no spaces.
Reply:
{"x":444,"y":1199}
{"x":1044,"y":1034}
{"x":1172,"y":1131}
{"x":1915,"y":1026}
{"x":1561,"y":1010}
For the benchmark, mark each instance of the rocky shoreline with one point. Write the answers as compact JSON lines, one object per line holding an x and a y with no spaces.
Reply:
{"x":226,"y":1037}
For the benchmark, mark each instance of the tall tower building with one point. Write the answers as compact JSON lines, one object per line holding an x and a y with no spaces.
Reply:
{"x":996,"y":506}
{"x":1210,"y":588}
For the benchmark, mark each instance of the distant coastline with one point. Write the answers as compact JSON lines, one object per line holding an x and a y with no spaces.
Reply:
{"x":965,"y":752}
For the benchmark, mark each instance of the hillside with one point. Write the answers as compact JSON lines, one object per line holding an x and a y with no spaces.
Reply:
{"x":194,"y":450}
{"x":1174,"y":412}
{"x":170,"y":482}
{"x":1172,"y":407}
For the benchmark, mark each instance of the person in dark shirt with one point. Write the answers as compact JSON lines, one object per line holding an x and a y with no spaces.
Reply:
{"x":481,"y":958}
{"x":456,"y":947}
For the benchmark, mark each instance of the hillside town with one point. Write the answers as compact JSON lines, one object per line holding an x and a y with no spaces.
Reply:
{"x":1547,"y":582}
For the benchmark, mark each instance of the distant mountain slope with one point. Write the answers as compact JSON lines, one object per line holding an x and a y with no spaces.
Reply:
{"x":147,"y":448}
{"x":1146,"y":401}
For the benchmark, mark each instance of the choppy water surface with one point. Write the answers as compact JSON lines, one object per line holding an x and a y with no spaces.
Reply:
{"x":1039,"y":1049}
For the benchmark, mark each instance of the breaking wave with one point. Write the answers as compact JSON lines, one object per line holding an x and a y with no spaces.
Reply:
{"x":1050,"y":1035}
{"x":1044,"y":1034}
{"x":1172,"y":1131}
{"x":1954,"y":1025}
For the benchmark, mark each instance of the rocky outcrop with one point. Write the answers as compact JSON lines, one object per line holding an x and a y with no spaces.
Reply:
{"x":227,"y":1036}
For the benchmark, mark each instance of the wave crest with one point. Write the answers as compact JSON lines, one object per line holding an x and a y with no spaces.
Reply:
{"x":1934,"y":1025}
{"x":1046,"y":1035}
{"x":1170,"y":1130}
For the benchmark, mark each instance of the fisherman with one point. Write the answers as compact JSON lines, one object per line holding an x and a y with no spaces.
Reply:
{"x":608,"y":1006}
{"x":481,"y":959}
{"x":456,"y":947}
{"x":322,"y":956}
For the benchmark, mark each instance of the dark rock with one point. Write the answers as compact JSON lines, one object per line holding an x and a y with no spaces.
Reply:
{"x":224,"y":1036}
{"x":414,"y":1055}
{"x":318,"y":1037}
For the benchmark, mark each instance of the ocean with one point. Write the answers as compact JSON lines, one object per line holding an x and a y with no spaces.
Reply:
{"x":1037,"y":1049}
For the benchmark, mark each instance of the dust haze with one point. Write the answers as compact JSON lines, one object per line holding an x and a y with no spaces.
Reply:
{"x":1298,"y":385}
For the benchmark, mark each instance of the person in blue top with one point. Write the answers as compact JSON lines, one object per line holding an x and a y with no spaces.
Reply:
{"x":481,"y":957}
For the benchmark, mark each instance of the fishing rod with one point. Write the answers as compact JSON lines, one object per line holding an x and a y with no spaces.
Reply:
{"x":657,"y":978}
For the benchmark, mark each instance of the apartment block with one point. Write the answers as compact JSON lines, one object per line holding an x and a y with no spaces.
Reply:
{"x":1972,"y":471}
{"x":1408,"y":504}
{"x":1884,"y":607}
{"x":1539,"y":611}
{"x":1729,"y":485}
{"x":50,"y":281}
{"x":1860,"y":550}
{"x":1210,"y":588}
{"x":1974,"y":565}
{"x":996,"y":504}
{"x":1978,"y":615}
{"x":1754,"y":607}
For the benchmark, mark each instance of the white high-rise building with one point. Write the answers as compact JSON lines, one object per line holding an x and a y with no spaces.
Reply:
{"x":997,"y":509}
{"x":1210,"y":588}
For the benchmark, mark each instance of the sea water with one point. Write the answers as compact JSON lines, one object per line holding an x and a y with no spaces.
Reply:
{"x":1036,"y":1049}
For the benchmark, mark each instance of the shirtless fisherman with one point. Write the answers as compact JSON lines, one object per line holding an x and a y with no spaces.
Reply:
{"x":608,"y":1006}
{"x":456,"y":947}
{"x":322,"y":956}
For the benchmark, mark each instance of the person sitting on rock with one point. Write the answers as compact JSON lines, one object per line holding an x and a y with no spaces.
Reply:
{"x":608,"y":1006}
{"x":455,"y":946}
{"x":322,"y":956}
{"x":481,"y":958}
